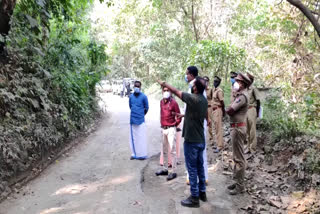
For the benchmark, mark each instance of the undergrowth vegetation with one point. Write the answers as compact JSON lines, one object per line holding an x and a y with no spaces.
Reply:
{"x":47,"y":83}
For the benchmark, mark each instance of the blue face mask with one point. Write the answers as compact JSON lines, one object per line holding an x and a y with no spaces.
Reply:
{"x":136,"y":90}
{"x":233,"y":81}
{"x":186,"y":78}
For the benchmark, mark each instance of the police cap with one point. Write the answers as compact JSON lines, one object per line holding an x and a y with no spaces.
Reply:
{"x":243,"y":78}
{"x":251,"y":77}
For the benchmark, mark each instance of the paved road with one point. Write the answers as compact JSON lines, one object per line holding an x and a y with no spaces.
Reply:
{"x":98,"y":177}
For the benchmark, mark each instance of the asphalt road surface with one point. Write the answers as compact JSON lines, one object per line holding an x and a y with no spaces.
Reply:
{"x":97,"y":176}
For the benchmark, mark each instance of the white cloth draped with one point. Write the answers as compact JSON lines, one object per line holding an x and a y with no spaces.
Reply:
{"x":138,"y":141}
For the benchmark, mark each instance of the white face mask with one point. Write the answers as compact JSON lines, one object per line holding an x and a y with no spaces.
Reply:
{"x":166,"y":94}
{"x":236,"y":86}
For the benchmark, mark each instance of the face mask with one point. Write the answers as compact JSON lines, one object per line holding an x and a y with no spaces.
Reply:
{"x":216,"y":83}
{"x":236,"y":86}
{"x":136,"y":90}
{"x":166,"y":94}
{"x":186,"y":78}
{"x":233,"y":81}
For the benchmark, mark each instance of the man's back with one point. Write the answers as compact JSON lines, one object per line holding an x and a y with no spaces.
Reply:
{"x":196,"y":111}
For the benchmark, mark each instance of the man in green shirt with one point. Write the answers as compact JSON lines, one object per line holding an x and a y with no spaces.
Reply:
{"x":194,"y":139}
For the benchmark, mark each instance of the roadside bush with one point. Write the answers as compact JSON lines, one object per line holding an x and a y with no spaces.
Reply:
{"x":312,"y":160}
{"x":278,"y":118}
{"x":288,"y":119}
{"x":47,"y":85}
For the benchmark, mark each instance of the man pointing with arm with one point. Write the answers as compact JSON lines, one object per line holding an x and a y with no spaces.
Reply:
{"x":193,"y":133}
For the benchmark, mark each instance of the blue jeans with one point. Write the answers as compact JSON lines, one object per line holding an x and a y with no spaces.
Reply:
{"x":193,"y":153}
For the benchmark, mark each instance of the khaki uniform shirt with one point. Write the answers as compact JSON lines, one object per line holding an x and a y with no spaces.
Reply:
{"x":253,"y":96}
{"x":217,"y":97}
{"x":232,"y":94}
{"x":240,"y":106}
{"x":209,"y":95}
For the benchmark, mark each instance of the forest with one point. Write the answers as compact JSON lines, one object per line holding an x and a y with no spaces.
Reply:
{"x":273,"y":40}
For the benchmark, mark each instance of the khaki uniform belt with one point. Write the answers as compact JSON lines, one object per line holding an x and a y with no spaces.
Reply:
{"x":233,"y":125}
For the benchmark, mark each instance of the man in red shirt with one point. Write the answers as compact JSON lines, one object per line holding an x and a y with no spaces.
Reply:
{"x":169,"y":110}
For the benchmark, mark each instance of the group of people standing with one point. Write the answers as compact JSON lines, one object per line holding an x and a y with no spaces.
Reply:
{"x":204,"y":107}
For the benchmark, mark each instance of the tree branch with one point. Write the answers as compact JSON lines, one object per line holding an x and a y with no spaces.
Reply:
{"x":298,"y":4}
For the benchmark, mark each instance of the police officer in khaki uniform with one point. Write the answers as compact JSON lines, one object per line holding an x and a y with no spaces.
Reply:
{"x":218,"y":111}
{"x":210,"y":112}
{"x":238,"y":115}
{"x":252,"y":114}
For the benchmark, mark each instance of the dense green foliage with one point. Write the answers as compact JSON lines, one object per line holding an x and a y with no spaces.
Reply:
{"x":287,"y":48}
{"x":61,"y":44}
{"x":47,"y":85}
{"x":272,"y":40}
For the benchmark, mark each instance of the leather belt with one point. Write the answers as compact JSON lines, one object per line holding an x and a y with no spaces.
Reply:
{"x":167,"y":127}
{"x":233,"y":125}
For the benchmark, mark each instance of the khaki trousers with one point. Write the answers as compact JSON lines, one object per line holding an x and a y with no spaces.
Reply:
{"x":216,"y":122}
{"x":238,"y":136}
{"x":251,"y":129}
{"x":169,"y":145}
{"x":210,"y":128}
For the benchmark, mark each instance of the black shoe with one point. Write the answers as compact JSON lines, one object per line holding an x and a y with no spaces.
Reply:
{"x":131,"y":158}
{"x":191,"y":202}
{"x":162,"y":172}
{"x":171,"y":176}
{"x":203,"y":196}
{"x":232,"y":186}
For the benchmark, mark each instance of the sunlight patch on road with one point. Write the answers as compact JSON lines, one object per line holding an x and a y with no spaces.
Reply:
{"x":71,"y":189}
{"x":121,"y":180}
{"x":51,"y":210}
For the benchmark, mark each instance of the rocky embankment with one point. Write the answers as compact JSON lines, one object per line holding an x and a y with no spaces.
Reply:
{"x":281,"y":177}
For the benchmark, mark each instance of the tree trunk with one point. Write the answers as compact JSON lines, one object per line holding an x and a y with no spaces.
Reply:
{"x":193,"y":19}
{"x":6,"y":10}
{"x":308,"y":13}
